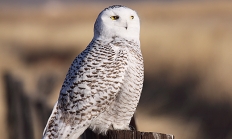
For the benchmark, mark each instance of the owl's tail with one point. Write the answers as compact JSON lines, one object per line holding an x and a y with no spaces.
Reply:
{"x":64,"y":133}
{"x":52,"y":114}
{"x":58,"y":129}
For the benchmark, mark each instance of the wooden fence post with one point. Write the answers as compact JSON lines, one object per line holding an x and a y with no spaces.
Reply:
{"x":126,"y":134}
{"x":19,"y":105}
{"x":19,"y":112}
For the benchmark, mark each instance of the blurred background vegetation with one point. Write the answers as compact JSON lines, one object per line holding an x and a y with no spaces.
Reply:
{"x":187,"y":49}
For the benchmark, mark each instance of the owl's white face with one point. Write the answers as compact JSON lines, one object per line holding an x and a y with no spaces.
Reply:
{"x":117,"y":21}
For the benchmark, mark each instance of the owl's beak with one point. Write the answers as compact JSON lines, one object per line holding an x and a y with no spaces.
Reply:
{"x":126,"y":26}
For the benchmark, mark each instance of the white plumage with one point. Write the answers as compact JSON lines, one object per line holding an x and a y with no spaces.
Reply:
{"x":103,"y":85}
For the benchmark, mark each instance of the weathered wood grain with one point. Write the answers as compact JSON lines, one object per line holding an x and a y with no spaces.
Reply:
{"x":126,"y":134}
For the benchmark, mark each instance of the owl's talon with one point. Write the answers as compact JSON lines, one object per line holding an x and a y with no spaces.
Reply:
{"x":132,"y":128}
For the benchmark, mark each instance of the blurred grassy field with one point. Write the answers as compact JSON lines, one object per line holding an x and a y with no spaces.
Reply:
{"x":187,"y":49}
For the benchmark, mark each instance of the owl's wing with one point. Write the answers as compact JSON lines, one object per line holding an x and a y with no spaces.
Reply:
{"x":91,"y":85}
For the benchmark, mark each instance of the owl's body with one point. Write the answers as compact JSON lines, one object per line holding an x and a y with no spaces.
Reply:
{"x":103,"y":85}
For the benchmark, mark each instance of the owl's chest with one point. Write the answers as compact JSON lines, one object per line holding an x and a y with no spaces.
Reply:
{"x":132,"y":56}
{"x":132,"y":60}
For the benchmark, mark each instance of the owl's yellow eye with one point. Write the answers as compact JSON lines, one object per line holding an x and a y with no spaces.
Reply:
{"x":132,"y":17}
{"x":114,"y":17}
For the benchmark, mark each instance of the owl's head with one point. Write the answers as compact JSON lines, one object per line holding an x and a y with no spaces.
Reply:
{"x":117,"y":21}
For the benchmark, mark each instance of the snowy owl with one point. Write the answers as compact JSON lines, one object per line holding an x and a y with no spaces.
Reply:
{"x":103,"y":85}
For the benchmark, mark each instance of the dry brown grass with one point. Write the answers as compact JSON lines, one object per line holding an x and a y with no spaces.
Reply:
{"x":183,"y":38}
